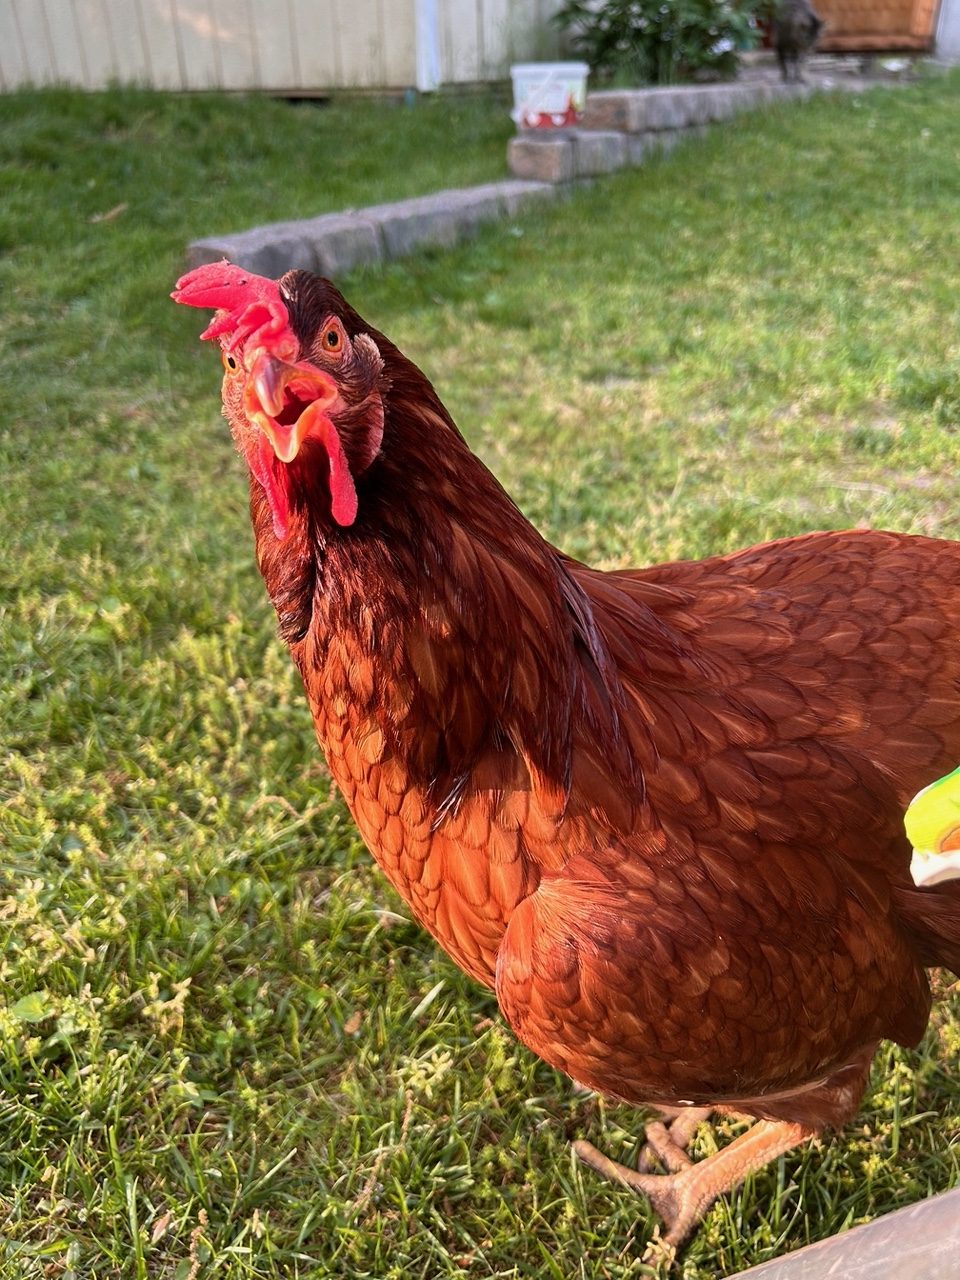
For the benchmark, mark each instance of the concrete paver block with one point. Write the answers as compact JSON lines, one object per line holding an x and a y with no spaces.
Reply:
{"x":543,"y":159}
{"x":722,"y":101}
{"x":608,"y":109}
{"x":598,"y":152}
{"x":268,"y":250}
{"x":640,"y":146}
{"x":343,"y":241}
{"x":517,"y":194}
{"x":441,"y":219}
{"x":212,"y":249}
{"x":666,"y":109}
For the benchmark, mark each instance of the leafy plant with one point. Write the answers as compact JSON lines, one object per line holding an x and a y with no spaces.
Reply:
{"x":654,"y":42}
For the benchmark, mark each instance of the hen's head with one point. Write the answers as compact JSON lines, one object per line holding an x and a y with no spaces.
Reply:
{"x":303,"y":385}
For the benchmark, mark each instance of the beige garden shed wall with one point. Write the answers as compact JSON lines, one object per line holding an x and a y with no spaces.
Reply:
{"x":285,"y":46}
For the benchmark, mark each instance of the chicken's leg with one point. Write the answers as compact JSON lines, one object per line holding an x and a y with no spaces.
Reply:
{"x":683,"y":1196}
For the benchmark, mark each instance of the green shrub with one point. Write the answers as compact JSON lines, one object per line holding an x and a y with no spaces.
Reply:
{"x":653,"y":42}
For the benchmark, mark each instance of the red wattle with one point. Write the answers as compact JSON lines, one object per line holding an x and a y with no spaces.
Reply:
{"x":274,"y":479}
{"x":343,"y":493}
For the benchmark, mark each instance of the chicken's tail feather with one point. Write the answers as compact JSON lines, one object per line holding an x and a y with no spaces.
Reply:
{"x":932,"y":914}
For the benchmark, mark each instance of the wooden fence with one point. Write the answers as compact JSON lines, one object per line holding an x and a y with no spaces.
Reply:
{"x":282,"y":46}
{"x":864,"y":25}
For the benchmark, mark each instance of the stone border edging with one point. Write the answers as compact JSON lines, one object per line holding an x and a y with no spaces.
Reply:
{"x":620,"y":127}
{"x":623,"y":127}
{"x":334,"y":243}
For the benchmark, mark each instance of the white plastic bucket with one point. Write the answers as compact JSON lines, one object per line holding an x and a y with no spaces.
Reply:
{"x":548,"y":95}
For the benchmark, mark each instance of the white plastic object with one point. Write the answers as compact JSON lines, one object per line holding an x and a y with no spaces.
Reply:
{"x":920,"y":1242}
{"x":548,"y":95}
{"x":931,"y":870}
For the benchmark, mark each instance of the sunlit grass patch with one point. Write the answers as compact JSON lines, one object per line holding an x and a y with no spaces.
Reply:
{"x":225,"y":1049}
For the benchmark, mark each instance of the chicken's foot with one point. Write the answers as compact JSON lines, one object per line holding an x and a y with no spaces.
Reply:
{"x":683,"y":1196}
{"x":667,"y":1140}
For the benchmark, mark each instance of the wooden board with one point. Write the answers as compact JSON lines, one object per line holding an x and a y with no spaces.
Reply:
{"x":870,"y":25}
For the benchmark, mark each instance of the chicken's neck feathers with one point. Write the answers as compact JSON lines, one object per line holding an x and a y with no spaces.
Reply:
{"x":446,"y":626}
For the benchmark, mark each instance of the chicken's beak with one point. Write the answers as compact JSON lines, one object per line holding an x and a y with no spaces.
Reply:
{"x":285,"y":400}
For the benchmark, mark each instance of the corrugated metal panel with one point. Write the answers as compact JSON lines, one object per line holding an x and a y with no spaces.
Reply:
{"x":278,"y":45}
{"x":377,"y":42}
{"x":458,"y":40}
{"x":480,"y":38}
{"x":495,"y":35}
{"x":214,"y":44}
{"x":315,"y":41}
{"x":160,"y":58}
{"x":31,"y":45}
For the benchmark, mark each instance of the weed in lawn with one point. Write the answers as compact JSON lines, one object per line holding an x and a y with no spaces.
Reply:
{"x":223,"y":1042}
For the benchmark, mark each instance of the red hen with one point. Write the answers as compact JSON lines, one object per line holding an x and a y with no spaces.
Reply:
{"x":658,"y":811}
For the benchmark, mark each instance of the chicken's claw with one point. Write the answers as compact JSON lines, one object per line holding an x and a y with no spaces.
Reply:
{"x":668,"y":1142}
{"x":682,"y":1197}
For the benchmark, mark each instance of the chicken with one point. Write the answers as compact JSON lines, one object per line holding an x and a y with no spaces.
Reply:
{"x":796,"y":26}
{"x":657,"y":811}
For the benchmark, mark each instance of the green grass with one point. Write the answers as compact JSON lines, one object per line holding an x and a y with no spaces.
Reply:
{"x":225,"y":1049}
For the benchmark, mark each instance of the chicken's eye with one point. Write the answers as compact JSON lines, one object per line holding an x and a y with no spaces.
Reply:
{"x":230,"y":362}
{"x":332,"y":340}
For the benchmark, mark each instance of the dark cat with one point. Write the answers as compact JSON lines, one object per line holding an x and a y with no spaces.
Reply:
{"x":795,"y":29}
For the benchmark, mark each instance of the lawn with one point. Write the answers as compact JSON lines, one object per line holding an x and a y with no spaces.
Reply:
{"x":225,"y":1049}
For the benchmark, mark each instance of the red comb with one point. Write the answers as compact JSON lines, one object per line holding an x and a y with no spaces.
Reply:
{"x":247,"y":306}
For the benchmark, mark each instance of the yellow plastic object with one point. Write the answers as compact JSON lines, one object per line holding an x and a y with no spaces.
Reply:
{"x":932,"y":821}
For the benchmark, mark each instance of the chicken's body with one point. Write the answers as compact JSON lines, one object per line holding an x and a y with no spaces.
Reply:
{"x":659,"y":811}
{"x":728,"y":928}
